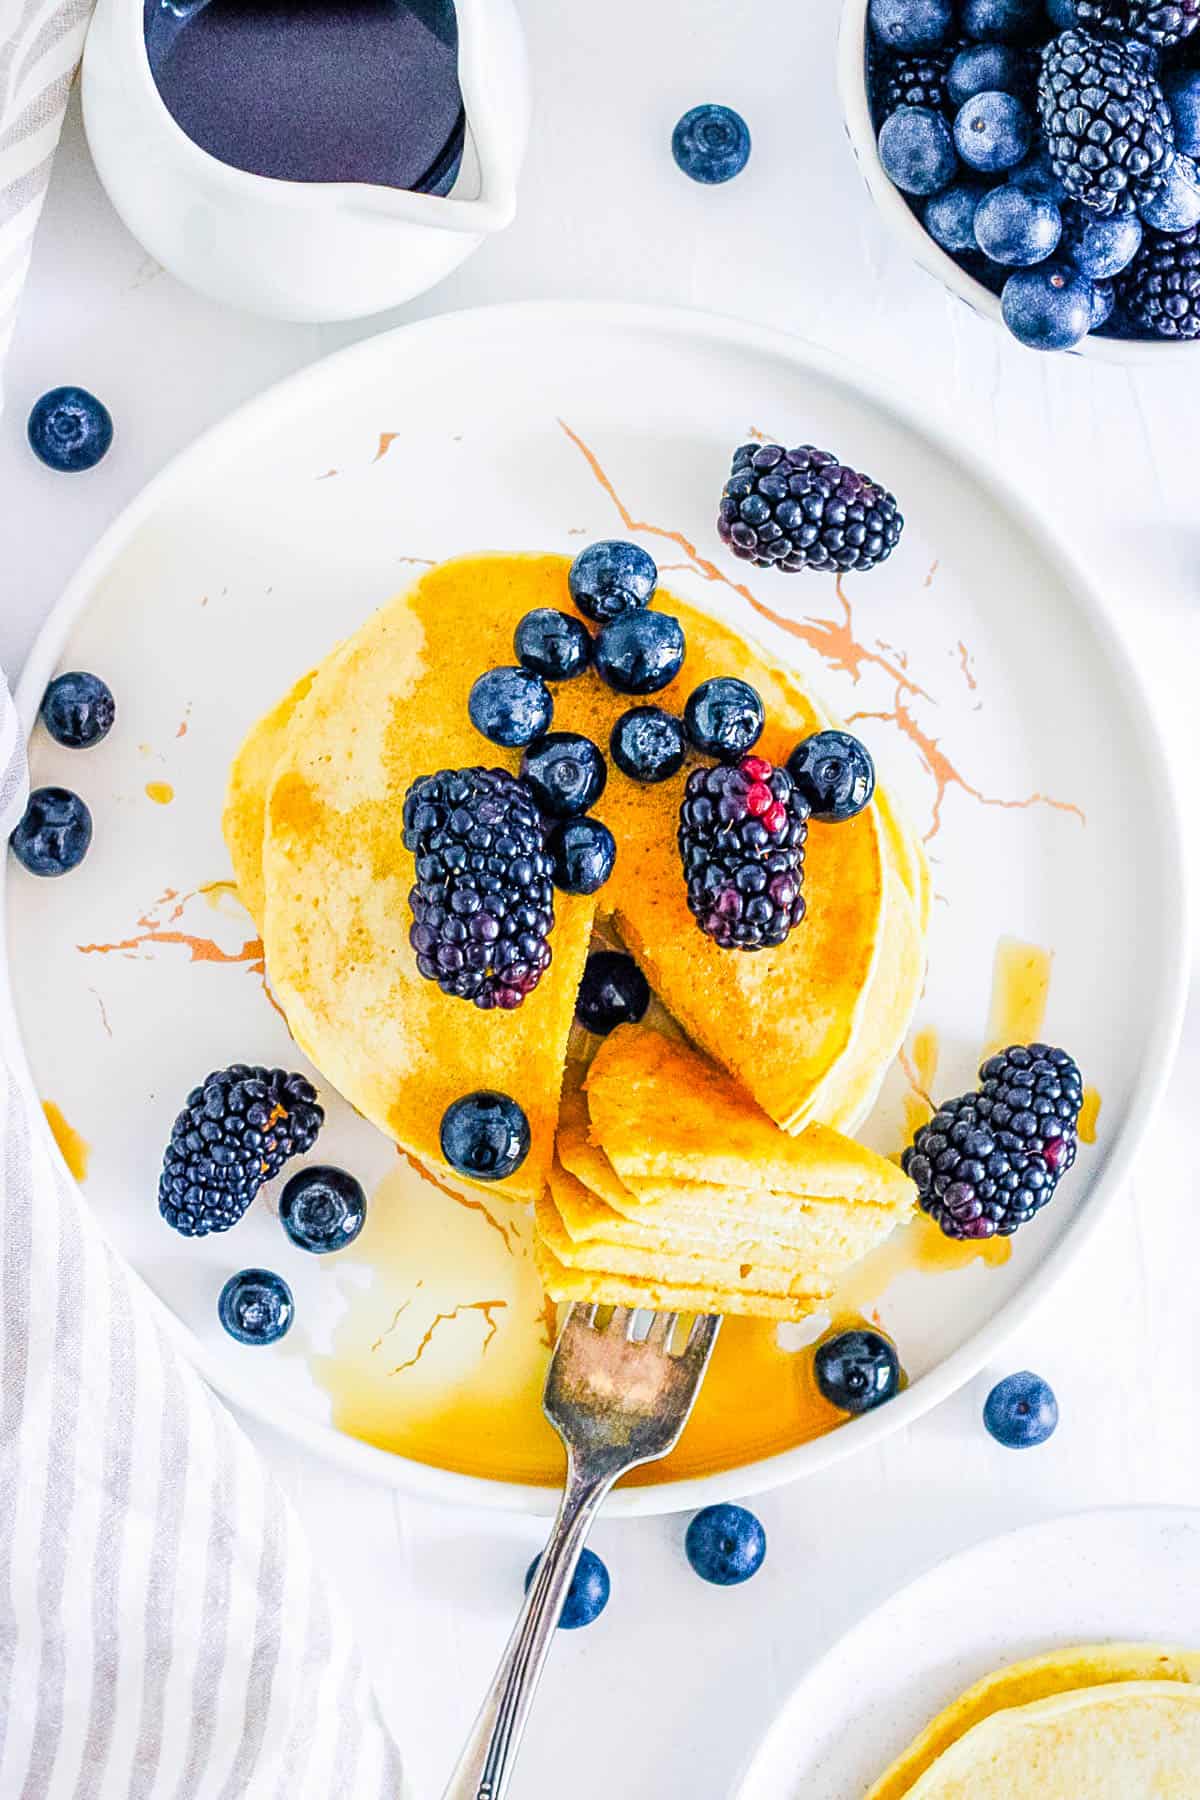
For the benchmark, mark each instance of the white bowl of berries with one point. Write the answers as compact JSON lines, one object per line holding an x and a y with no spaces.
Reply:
{"x":1041,"y":158}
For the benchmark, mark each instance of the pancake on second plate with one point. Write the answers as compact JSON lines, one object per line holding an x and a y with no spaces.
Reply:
{"x":1137,"y":1740}
{"x":1084,"y":1672}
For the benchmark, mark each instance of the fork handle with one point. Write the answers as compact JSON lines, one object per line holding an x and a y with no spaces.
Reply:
{"x":483,"y":1769}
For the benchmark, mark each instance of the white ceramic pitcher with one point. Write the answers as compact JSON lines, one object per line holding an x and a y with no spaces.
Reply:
{"x":302,"y":250}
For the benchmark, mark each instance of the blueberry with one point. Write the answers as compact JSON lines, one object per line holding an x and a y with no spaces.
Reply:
{"x":648,"y":744}
{"x":255,"y":1306}
{"x":1182,"y":89}
{"x":1048,"y":308}
{"x":916,"y":150}
{"x":724,"y":717}
{"x":565,"y":773}
{"x":583,"y":852}
{"x":78,"y":709}
{"x":1100,"y":248}
{"x":510,"y":706}
{"x":983,"y":66}
{"x":611,"y":577}
{"x":725,"y":1545}
{"x":911,"y":24}
{"x":1062,"y":14}
{"x":1175,"y":206}
{"x":1036,"y":174}
{"x":993,"y":131}
{"x":711,"y":144}
{"x":1017,"y":228}
{"x":53,"y":834}
{"x":485,"y":1135}
{"x":640,"y":652}
{"x":1021,"y":1411}
{"x":613,"y":992}
{"x":322,"y":1209}
{"x":833,"y":771}
{"x":1104,"y":298}
{"x":69,"y":429}
{"x":857,"y":1370}
{"x":587,"y":1595}
{"x":950,"y":216}
{"x":1009,"y":20}
{"x":555,"y":645}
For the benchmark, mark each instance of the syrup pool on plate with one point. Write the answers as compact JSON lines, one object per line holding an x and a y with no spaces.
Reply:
{"x":315,"y":90}
{"x":443,"y":1339}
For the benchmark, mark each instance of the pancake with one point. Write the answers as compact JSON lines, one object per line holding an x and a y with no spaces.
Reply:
{"x":781,"y":1018}
{"x":1087,"y":1666}
{"x":244,"y":816}
{"x":1134,"y":1740}
{"x":764,"y":1226}
{"x":853,"y":1086}
{"x":690,"y":1263}
{"x":567,"y":1286}
{"x":313,"y":823}
{"x":659,"y":1110}
{"x":337,"y":879}
{"x":760,"y":1228}
{"x":714,"y":1231}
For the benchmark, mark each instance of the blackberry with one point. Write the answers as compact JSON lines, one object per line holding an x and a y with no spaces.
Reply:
{"x":801,"y":509}
{"x":988,"y":1161}
{"x":741,"y":840}
{"x":483,"y":901}
{"x":912,"y":78}
{"x":236,"y":1131}
{"x":1035,"y":1092}
{"x":1157,"y":22}
{"x":1159,"y":294}
{"x":1105,"y":120}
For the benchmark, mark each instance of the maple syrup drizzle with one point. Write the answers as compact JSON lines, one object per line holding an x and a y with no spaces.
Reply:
{"x":1089,"y":1113}
{"x":161,"y":792}
{"x":1020,"y":990}
{"x":75,"y":1149}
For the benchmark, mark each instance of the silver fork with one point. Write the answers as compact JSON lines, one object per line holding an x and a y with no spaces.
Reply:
{"x":618,"y":1393}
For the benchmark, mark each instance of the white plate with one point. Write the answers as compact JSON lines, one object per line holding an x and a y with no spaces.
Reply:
{"x":994,"y":670}
{"x":1127,"y":1574}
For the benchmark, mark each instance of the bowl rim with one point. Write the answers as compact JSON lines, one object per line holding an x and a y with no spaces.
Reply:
{"x":320,"y":381}
{"x":929,"y":255}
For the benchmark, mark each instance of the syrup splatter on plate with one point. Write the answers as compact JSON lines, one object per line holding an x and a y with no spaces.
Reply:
{"x":974,"y":662}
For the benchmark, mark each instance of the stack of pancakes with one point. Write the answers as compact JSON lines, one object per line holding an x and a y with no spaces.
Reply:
{"x":314,"y":824}
{"x":671,"y":1190}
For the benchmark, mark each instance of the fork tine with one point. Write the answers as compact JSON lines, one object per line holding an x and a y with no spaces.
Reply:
{"x":701,"y":1338}
{"x":661,"y":1327}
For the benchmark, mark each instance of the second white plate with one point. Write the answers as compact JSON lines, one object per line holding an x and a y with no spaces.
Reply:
{"x":1130,"y":1574}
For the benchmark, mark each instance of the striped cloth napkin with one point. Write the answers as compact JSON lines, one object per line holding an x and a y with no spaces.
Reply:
{"x":40,"y":44}
{"x":163,"y":1631}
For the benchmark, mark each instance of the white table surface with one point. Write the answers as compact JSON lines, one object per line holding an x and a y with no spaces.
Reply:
{"x":668,"y":1693}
